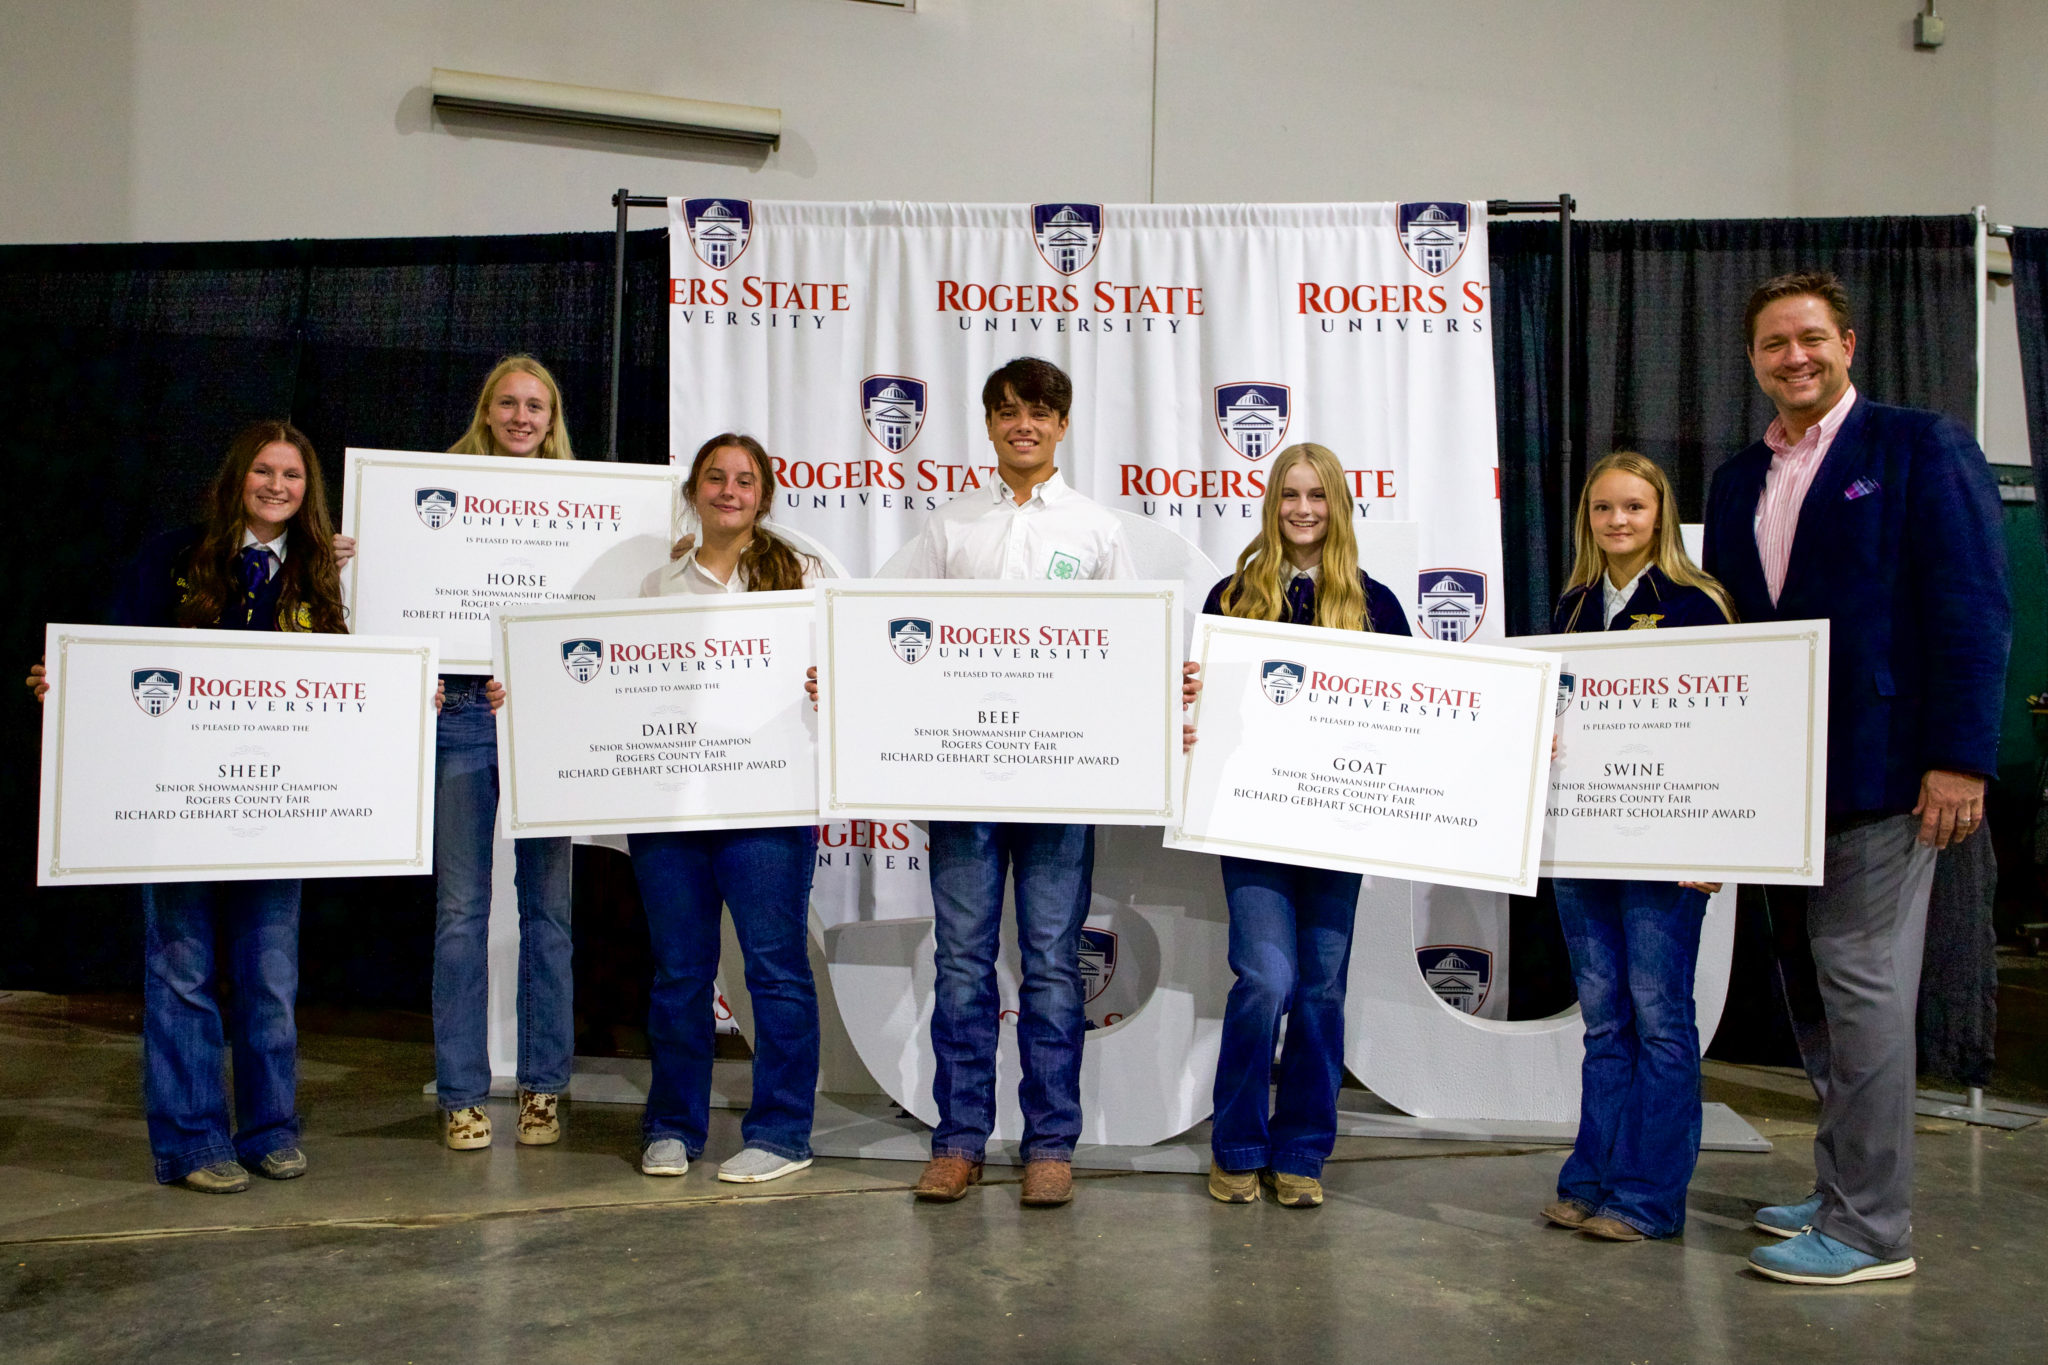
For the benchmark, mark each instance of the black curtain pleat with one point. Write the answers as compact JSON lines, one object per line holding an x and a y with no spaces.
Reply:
{"x":129,"y":369}
{"x":1524,"y":264}
{"x":2030,"y":305}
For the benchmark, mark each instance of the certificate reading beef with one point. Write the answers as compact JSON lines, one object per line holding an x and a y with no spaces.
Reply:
{"x":1369,"y":753}
{"x":966,"y":700}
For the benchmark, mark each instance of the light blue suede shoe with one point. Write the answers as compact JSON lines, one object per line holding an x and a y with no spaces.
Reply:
{"x":1816,"y":1258}
{"x":1788,"y":1220}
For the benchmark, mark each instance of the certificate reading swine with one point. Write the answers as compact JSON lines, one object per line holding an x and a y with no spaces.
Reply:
{"x":1365,"y":753}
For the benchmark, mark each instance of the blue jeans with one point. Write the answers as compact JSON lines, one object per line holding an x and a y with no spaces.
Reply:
{"x":1633,"y":948}
{"x":184,"y":927}
{"x":465,"y":810}
{"x":765,"y":876}
{"x":1290,"y":946}
{"x":1054,"y":867}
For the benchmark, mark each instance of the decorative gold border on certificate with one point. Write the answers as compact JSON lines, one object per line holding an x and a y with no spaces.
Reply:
{"x":1815,"y":744}
{"x":429,"y":460}
{"x":1208,"y":628}
{"x":829,"y":764}
{"x":674,"y":605}
{"x":183,"y":639}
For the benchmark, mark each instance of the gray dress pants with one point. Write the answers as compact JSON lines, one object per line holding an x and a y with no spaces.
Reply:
{"x":1849,"y":965}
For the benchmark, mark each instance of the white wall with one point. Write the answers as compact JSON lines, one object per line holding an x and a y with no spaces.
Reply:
{"x":159,"y":120}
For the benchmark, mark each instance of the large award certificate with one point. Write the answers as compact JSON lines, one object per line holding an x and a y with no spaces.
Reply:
{"x":966,"y":700}
{"x":1369,"y":753}
{"x":661,"y":713}
{"x":1690,"y":755}
{"x":229,"y":755}
{"x":443,"y":539}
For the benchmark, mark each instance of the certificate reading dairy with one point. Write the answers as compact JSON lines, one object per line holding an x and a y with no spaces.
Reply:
{"x":965,"y":700}
{"x":1369,"y":753}
{"x":1698,"y":754}
{"x":441,"y":540}
{"x":228,"y":755}
{"x":664,"y":713}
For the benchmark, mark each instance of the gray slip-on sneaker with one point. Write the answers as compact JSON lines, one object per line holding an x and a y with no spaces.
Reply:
{"x":665,"y":1156}
{"x":754,"y":1165}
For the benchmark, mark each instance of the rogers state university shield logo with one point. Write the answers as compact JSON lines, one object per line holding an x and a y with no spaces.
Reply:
{"x":434,"y":506}
{"x":582,"y":658}
{"x":1252,"y":415}
{"x":1068,"y":235}
{"x":1433,"y":235}
{"x":892,"y":407}
{"x":910,"y":637}
{"x":155,"y":689}
{"x":1461,"y":976}
{"x":719,"y":229}
{"x":1280,"y":680}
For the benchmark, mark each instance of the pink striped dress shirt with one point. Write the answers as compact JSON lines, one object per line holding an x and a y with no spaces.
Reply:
{"x":1793,"y":465}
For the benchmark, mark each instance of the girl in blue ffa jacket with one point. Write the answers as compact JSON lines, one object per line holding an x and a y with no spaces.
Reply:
{"x":1290,"y":927}
{"x":763,"y":875}
{"x":264,"y":559}
{"x":1633,"y":943}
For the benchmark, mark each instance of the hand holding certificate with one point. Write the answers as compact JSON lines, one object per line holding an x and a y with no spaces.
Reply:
{"x":973,"y":700}
{"x":664,"y":713}
{"x":1369,"y":753}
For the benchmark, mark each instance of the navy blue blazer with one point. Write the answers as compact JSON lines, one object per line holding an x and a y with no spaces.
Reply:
{"x":1656,"y":604}
{"x":153,"y":586}
{"x":1900,"y":547}
{"x":1381,"y":606}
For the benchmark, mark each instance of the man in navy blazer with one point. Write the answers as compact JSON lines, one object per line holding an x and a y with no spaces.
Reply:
{"x":1885,"y":522}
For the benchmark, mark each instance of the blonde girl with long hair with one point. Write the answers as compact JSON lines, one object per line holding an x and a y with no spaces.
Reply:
{"x":1290,"y":927}
{"x":1633,"y":944}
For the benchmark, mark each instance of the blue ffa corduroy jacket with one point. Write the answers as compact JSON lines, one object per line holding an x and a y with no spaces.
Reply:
{"x":152,"y":587}
{"x":1656,"y":604}
{"x":1900,"y":548}
{"x":1381,"y":606}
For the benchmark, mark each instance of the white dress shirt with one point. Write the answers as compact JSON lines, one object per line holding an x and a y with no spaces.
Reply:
{"x":685,"y":576}
{"x":1616,"y":599}
{"x":1056,"y":533}
{"x":276,"y":548}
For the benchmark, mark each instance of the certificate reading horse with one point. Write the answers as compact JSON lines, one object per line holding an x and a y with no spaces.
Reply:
{"x":1369,"y":753}
{"x":956,"y":699}
{"x":228,"y":755}
{"x":443,"y":539}
{"x":663,"y":713}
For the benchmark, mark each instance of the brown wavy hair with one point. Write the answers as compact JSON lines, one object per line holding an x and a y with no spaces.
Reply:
{"x":309,"y":595}
{"x":478,"y":440}
{"x":1258,"y":588}
{"x":1589,"y":561}
{"x":770,"y":563}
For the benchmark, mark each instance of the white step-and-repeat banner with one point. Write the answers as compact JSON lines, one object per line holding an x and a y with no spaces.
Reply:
{"x":853,"y":341}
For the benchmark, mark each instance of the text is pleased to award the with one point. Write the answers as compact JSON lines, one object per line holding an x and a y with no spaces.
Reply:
{"x":665,"y":713}
{"x":962,"y":700}
{"x":1698,"y":754}
{"x":443,"y":539}
{"x":1369,"y":753}
{"x":227,"y":755}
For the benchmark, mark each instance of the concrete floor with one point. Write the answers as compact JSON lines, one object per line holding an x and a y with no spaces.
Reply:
{"x":394,"y":1249}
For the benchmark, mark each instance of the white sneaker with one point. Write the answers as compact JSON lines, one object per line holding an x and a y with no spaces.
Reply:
{"x":753,"y":1166}
{"x":665,"y":1156}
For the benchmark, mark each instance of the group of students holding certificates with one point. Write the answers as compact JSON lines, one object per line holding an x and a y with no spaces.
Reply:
{"x":266,"y":559}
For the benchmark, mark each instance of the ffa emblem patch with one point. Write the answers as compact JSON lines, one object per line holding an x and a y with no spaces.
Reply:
{"x":1645,"y":620}
{"x":1067,"y":234}
{"x":910,"y":637}
{"x":434,"y":506}
{"x":582,"y":658}
{"x":719,"y":229}
{"x":1433,"y":235}
{"x":1280,"y":680}
{"x":1461,"y":976}
{"x":155,"y":689}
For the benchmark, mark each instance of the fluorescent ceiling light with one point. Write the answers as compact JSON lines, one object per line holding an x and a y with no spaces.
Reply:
{"x":582,"y":104}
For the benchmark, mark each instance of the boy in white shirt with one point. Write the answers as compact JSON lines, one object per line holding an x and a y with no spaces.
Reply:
{"x":1029,"y":524}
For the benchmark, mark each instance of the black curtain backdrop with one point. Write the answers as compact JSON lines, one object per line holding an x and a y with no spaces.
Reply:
{"x":130,"y":367}
{"x":2030,"y":303}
